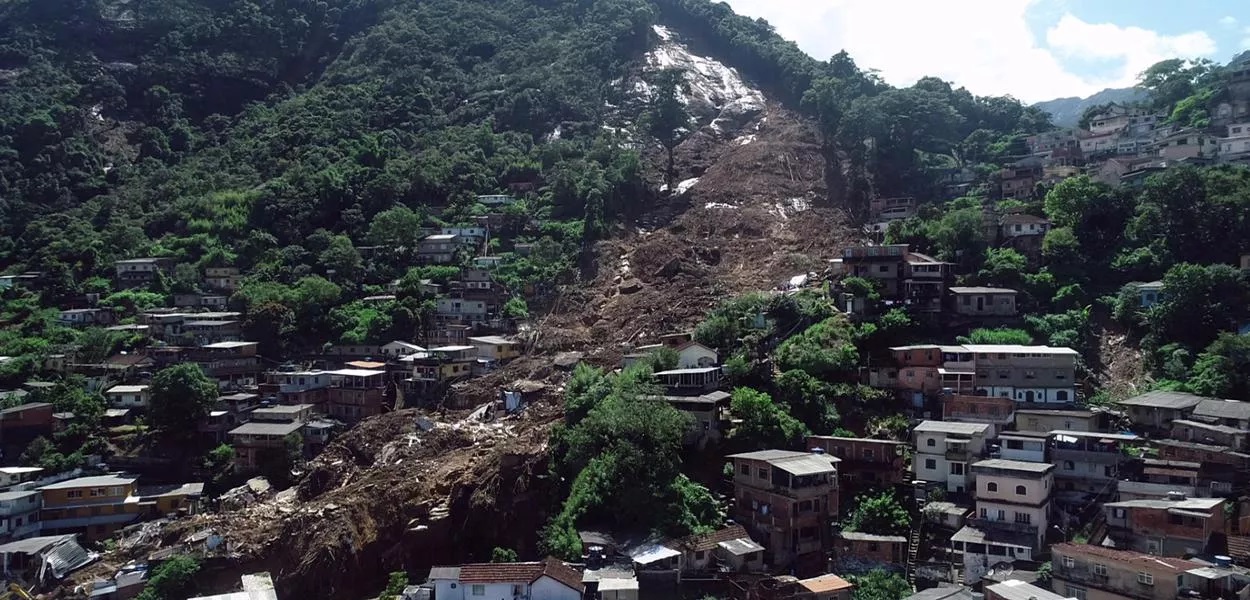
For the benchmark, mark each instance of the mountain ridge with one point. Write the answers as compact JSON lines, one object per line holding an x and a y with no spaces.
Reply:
{"x":1066,"y":112}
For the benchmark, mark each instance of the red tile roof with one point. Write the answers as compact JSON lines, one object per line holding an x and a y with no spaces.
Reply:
{"x":1123,"y":556}
{"x":708,"y":541}
{"x":825,"y":583}
{"x":521,"y":572}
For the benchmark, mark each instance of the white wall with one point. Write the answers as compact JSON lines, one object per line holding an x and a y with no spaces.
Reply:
{"x":546,"y":588}
{"x":695,"y":357}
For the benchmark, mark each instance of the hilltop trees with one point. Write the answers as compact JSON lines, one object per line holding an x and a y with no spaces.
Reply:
{"x":181,"y":396}
{"x":666,"y":119}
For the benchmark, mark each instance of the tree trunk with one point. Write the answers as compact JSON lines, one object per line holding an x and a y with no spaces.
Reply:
{"x":671,"y":168}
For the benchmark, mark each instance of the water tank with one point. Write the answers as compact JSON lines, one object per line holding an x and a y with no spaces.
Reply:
{"x":1223,"y":561}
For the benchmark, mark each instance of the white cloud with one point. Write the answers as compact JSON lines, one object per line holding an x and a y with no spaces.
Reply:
{"x":984,"y":45}
{"x":1229,"y":21}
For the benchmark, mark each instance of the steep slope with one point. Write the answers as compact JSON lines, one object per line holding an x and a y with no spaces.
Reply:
{"x":751,"y":212}
{"x":1066,"y":112}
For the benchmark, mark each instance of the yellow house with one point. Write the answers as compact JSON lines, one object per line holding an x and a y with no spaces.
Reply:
{"x":495,"y":348}
{"x":92,"y":506}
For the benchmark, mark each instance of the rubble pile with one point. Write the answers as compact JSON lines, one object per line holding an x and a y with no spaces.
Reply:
{"x":387,"y":495}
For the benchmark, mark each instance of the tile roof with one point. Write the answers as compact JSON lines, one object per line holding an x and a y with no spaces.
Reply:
{"x":708,"y":541}
{"x":526,"y":572}
{"x":794,"y":463}
{"x":1125,"y":556}
{"x":825,"y":583}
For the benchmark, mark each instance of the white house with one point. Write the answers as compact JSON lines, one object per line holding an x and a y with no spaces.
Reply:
{"x":1011,"y":226}
{"x":128,"y":396}
{"x":943,"y":451}
{"x":546,"y":580}
{"x":468,"y":236}
{"x":398,"y":349}
{"x":693,"y":355}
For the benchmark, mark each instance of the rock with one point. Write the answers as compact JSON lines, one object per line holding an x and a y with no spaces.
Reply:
{"x":631,"y":286}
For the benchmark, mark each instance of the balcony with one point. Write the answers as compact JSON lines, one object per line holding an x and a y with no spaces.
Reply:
{"x":957,"y":454}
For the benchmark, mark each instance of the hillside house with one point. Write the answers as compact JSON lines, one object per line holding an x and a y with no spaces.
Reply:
{"x":19,"y":514}
{"x":398,"y":349}
{"x":549,"y":579}
{"x":87,"y":317}
{"x":1175,"y":527}
{"x":496,"y":199}
{"x":205,"y":332}
{"x":92,"y":506}
{"x":1235,"y":147}
{"x":944,"y":450}
{"x":297,"y":387}
{"x":438,"y":249}
{"x":993,"y":410}
{"x":1210,"y":433}
{"x":858,"y":552}
{"x":866,"y":463}
{"x":1156,"y":410}
{"x":786,"y":500}
{"x":983,"y":302}
{"x":695,"y":381}
{"x":195,"y":300}
{"x":468,"y":236}
{"x":1027,"y":374}
{"x":824,"y":587}
{"x":728,"y":549}
{"x":1014,"y":589}
{"x":1014,"y":494}
{"x":12,"y":476}
{"x":496,"y":349}
{"x":709,"y":416}
{"x":1011,"y":516}
{"x":1042,"y":420}
{"x":1020,"y":181}
{"x":1090,"y":462}
{"x":1027,"y":446}
{"x":356,"y":394}
{"x":135,"y":272}
{"x":1187,"y":144}
{"x":259,"y":441}
{"x":233,"y":364}
{"x":442,"y":365}
{"x":1020,"y":224}
{"x":1098,"y":573}
{"x":1113,"y":118}
{"x":891,"y":209}
{"x":1228,"y":413}
{"x":927,"y":370}
{"x":223,"y":279}
{"x":1149,"y":293}
{"x":466,"y":312}
{"x":910,"y":278}
{"x":128,"y":396}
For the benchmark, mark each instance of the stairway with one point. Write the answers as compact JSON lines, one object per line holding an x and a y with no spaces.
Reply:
{"x":913,"y":553}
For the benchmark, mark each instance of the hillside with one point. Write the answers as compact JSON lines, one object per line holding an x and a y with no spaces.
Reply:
{"x":1066,"y":112}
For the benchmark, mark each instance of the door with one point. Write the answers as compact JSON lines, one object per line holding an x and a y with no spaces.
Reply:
{"x":1028,"y":396}
{"x":980,"y":303}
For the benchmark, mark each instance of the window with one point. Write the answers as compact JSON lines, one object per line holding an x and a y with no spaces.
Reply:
{"x":744,"y":469}
{"x":1068,"y":562}
{"x":700,"y":555}
{"x":991,"y":487}
{"x":1076,"y":592}
{"x":517,"y":589}
{"x":957,"y":468}
{"x":762,"y":473}
{"x":1069,"y":465}
{"x":884,"y":268}
{"x":1002,"y":515}
{"x":805,"y":506}
{"x":929,"y":463}
{"x":1118,"y":513}
{"x":1024,"y":518}
{"x":985,"y":513}
{"x":73,"y":494}
{"x":1020,"y":490}
{"x":1100,"y":570}
{"x":930,"y":442}
{"x":478,"y":589}
{"x":868,"y":454}
{"x":1145,"y":579}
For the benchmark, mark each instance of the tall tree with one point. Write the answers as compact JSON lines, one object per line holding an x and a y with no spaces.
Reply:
{"x":666,"y":118}
{"x":181,"y":396}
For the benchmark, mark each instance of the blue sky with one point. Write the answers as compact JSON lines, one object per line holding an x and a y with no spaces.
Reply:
{"x":1032,"y":49}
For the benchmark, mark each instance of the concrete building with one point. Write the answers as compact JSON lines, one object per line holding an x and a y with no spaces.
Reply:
{"x":1027,"y":446}
{"x":866,"y":463}
{"x":19,"y":514}
{"x":1088,"y":461}
{"x":1014,"y":589}
{"x":1026,"y":374}
{"x":787,"y":500}
{"x":944,"y":451}
{"x":128,"y":396}
{"x":140,"y":271}
{"x":1175,"y":527}
{"x":992,"y":410}
{"x":1156,"y":410}
{"x":1015,"y":495}
{"x":1045,"y":420}
{"x":983,"y":302}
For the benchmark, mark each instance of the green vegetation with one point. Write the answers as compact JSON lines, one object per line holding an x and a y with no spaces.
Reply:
{"x":396,"y":583}
{"x":879,"y":514}
{"x":879,"y":584}
{"x":618,"y":457}
{"x":503,"y":555}
{"x":172,"y":580}
{"x":181,"y":396}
